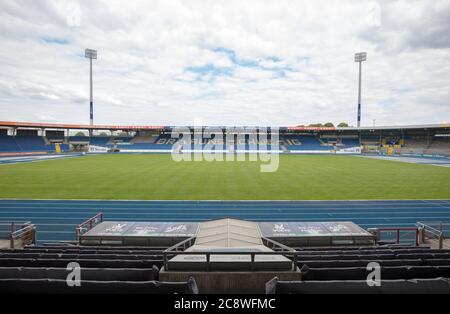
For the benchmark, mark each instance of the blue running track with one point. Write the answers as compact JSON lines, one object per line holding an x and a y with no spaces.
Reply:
{"x":56,"y":219}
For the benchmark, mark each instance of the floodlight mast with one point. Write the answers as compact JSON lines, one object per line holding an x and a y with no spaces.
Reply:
{"x":91,"y":54}
{"x":360,"y":57}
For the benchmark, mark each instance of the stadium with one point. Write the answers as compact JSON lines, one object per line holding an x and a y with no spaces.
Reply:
{"x":339,"y":198}
{"x":136,"y":202}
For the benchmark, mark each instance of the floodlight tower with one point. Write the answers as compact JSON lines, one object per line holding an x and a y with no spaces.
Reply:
{"x":91,"y":54}
{"x":360,"y":57}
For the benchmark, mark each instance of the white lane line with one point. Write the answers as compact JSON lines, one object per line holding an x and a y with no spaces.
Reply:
{"x":253,"y":212}
{"x":52,"y":200}
{"x":241,"y":215}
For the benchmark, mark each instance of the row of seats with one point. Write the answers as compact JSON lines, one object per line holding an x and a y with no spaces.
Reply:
{"x":90,"y":263}
{"x":69,"y":246}
{"x":110,"y":270}
{"x":373,"y":256}
{"x":60,"y":286}
{"x":95,"y":274}
{"x":372,"y":252}
{"x":24,"y":143}
{"x":415,"y":286}
{"x":299,"y":142}
{"x":84,"y":251}
{"x":82,"y":255}
{"x":360,"y":273}
{"x":389,"y":247}
{"x":363,"y":263}
{"x":403,"y":269}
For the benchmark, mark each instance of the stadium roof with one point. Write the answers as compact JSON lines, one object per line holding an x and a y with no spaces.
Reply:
{"x":77,"y":126}
{"x":13,"y":124}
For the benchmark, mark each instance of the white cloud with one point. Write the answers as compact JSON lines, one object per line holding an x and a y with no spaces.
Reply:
{"x":229,"y":63}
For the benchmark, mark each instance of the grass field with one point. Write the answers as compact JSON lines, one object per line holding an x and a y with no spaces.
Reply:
{"x":157,"y":177}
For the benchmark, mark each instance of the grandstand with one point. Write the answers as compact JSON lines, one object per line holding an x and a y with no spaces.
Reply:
{"x":108,"y":267}
{"x":17,"y":137}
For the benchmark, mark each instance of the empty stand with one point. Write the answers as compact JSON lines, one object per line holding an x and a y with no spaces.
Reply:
{"x":91,"y":257}
{"x":100,"y":140}
{"x":404,"y":269}
{"x":8,"y":144}
{"x":415,"y":286}
{"x":439,"y":146}
{"x":360,"y":273}
{"x":59,"y":286}
{"x":305,"y":143}
{"x":94,"y":274}
{"x":24,"y":143}
{"x":42,"y":269}
{"x":108,"y":269}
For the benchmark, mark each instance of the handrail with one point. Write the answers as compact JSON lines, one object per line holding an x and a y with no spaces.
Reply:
{"x":182,"y":243}
{"x":27,"y":234}
{"x":429,"y":230}
{"x":293,"y":255}
{"x":88,"y":224}
{"x":174,"y":251}
{"x":398,"y":230}
{"x":441,"y":224}
{"x":11,"y":226}
{"x":22,"y":231}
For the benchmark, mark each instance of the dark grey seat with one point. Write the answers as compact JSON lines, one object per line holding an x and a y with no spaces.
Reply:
{"x":387,"y":273}
{"x":88,"y":263}
{"x":416,"y":286}
{"x":436,"y":262}
{"x":92,"y":274}
{"x":57,"y":286}
{"x":358,"y":263}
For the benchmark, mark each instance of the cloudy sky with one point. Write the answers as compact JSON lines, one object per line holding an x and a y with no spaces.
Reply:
{"x":225,"y":62}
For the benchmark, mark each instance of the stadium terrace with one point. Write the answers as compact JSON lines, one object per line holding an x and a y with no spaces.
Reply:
{"x":18,"y":138}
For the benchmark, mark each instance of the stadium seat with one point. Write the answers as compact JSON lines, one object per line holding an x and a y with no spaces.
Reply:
{"x":360,"y":273}
{"x":416,"y":286}
{"x":94,"y":274}
{"x":360,"y":263}
{"x":89,"y":263}
{"x":76,"y":255}
{"x":58,"y":286}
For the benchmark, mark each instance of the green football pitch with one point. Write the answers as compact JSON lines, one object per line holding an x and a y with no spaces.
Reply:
{"x":158,"y":177}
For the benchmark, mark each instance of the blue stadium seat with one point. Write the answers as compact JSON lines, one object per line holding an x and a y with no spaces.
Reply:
{"x":24,"y":143}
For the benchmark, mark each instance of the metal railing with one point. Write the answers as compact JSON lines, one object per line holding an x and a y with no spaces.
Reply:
{"x":183,"y":245}
{"x":23,"y":233}
{"x":407,"y":233}
{"x":26,"y":235}
{"x":293,"y":256}
{"x":88,"y":225}
{"x":7,"y":227}
{"x":279,"y":249}
{"x":437,"y":231}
